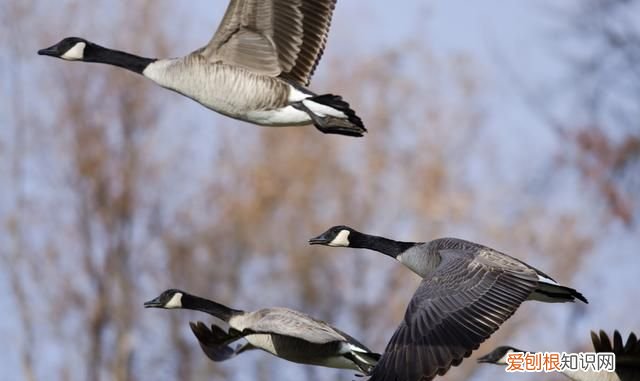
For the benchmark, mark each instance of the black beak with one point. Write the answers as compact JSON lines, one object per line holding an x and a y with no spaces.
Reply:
{"x":320,"y":240}
{"x":485,"y":359}
{"x":52,"y":51}
{"x":153,"y":303}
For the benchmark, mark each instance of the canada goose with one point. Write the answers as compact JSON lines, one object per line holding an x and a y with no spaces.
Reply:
{"x":255,"y":68}
{"x":627,"y":358}
{"x":285,"y":333}
{"x":467,"y":292}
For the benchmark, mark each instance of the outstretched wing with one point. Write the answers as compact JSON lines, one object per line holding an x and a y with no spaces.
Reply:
{"x":215,"y":341}
{"x":273,"y":37}
{"x":451,"y":313}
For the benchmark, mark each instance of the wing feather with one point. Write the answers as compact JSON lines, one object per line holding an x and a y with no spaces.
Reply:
{"x":273,"y":37}
{"x":213,"y":341}
{"x":450,"y":315}
{"x":286,"y":322}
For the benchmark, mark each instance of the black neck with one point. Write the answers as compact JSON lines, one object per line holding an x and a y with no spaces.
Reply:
{"x":97,"y":53}
{"x":383,"y":245}
{"x":218,"y":310}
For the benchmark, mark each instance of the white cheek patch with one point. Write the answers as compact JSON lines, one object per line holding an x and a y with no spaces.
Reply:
{"x":75,"y":53}
{"x":342,"y":239}
{"x":175,"y":301}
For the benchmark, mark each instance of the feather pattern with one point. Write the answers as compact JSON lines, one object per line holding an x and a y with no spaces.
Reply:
{"x":466,"y":299}
{"x":284,"y":321}
{"x":273,"y":37}
{"x":235,"y":90}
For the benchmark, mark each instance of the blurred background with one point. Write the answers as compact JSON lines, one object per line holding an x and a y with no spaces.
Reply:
{"x":513,"y":124}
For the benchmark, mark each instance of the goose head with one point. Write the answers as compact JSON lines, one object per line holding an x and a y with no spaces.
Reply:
{"x":344,"y":236}
{"x":70,"y":49}
{"x":336,"y":236}
{"x":169,"y":299}
{"x":499,"y":355}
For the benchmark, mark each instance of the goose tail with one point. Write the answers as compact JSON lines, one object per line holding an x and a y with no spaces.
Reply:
{"x":332,"y":115}
{"x":363,"y":358}
{"x":550,"y":292}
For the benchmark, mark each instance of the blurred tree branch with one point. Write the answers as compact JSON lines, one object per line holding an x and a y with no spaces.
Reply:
{"x":605,"y":76}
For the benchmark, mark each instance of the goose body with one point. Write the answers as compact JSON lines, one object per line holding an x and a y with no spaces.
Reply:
{"x":232,"y":91}
{"x":282,"y":332}
{"x":255,"y":68}
{"x":627,"y":363}
{"x":468,"y":290}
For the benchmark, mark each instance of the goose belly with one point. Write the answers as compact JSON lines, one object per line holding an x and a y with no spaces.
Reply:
{"x":284,"y":116}
{"x":228,"y":90}
{"x":301,"y":351}
{"x":262,"y":341}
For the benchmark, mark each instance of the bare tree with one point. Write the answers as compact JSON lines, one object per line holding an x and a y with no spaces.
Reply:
{"x":602,"y":43}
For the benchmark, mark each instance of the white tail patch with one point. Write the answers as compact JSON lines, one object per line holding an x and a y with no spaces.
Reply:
{"x":296,"y":95}
{"x":544,"y":279}
{"x":503,"y":360}
{"x":354,"y":348}
{"x":286,"y":116}
{"x":323,"y":110}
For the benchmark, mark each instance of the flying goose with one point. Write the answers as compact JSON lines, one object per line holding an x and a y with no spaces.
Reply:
{"x":627,"y":358}
{"x":285,"y":333}
{"x":255,"y":68}
{"x":467,"y":292}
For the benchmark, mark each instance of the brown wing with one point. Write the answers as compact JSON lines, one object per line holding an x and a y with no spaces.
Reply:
{"x":450,"y":314}
{"x":316,"y":23}
{"x":273,"y":37}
